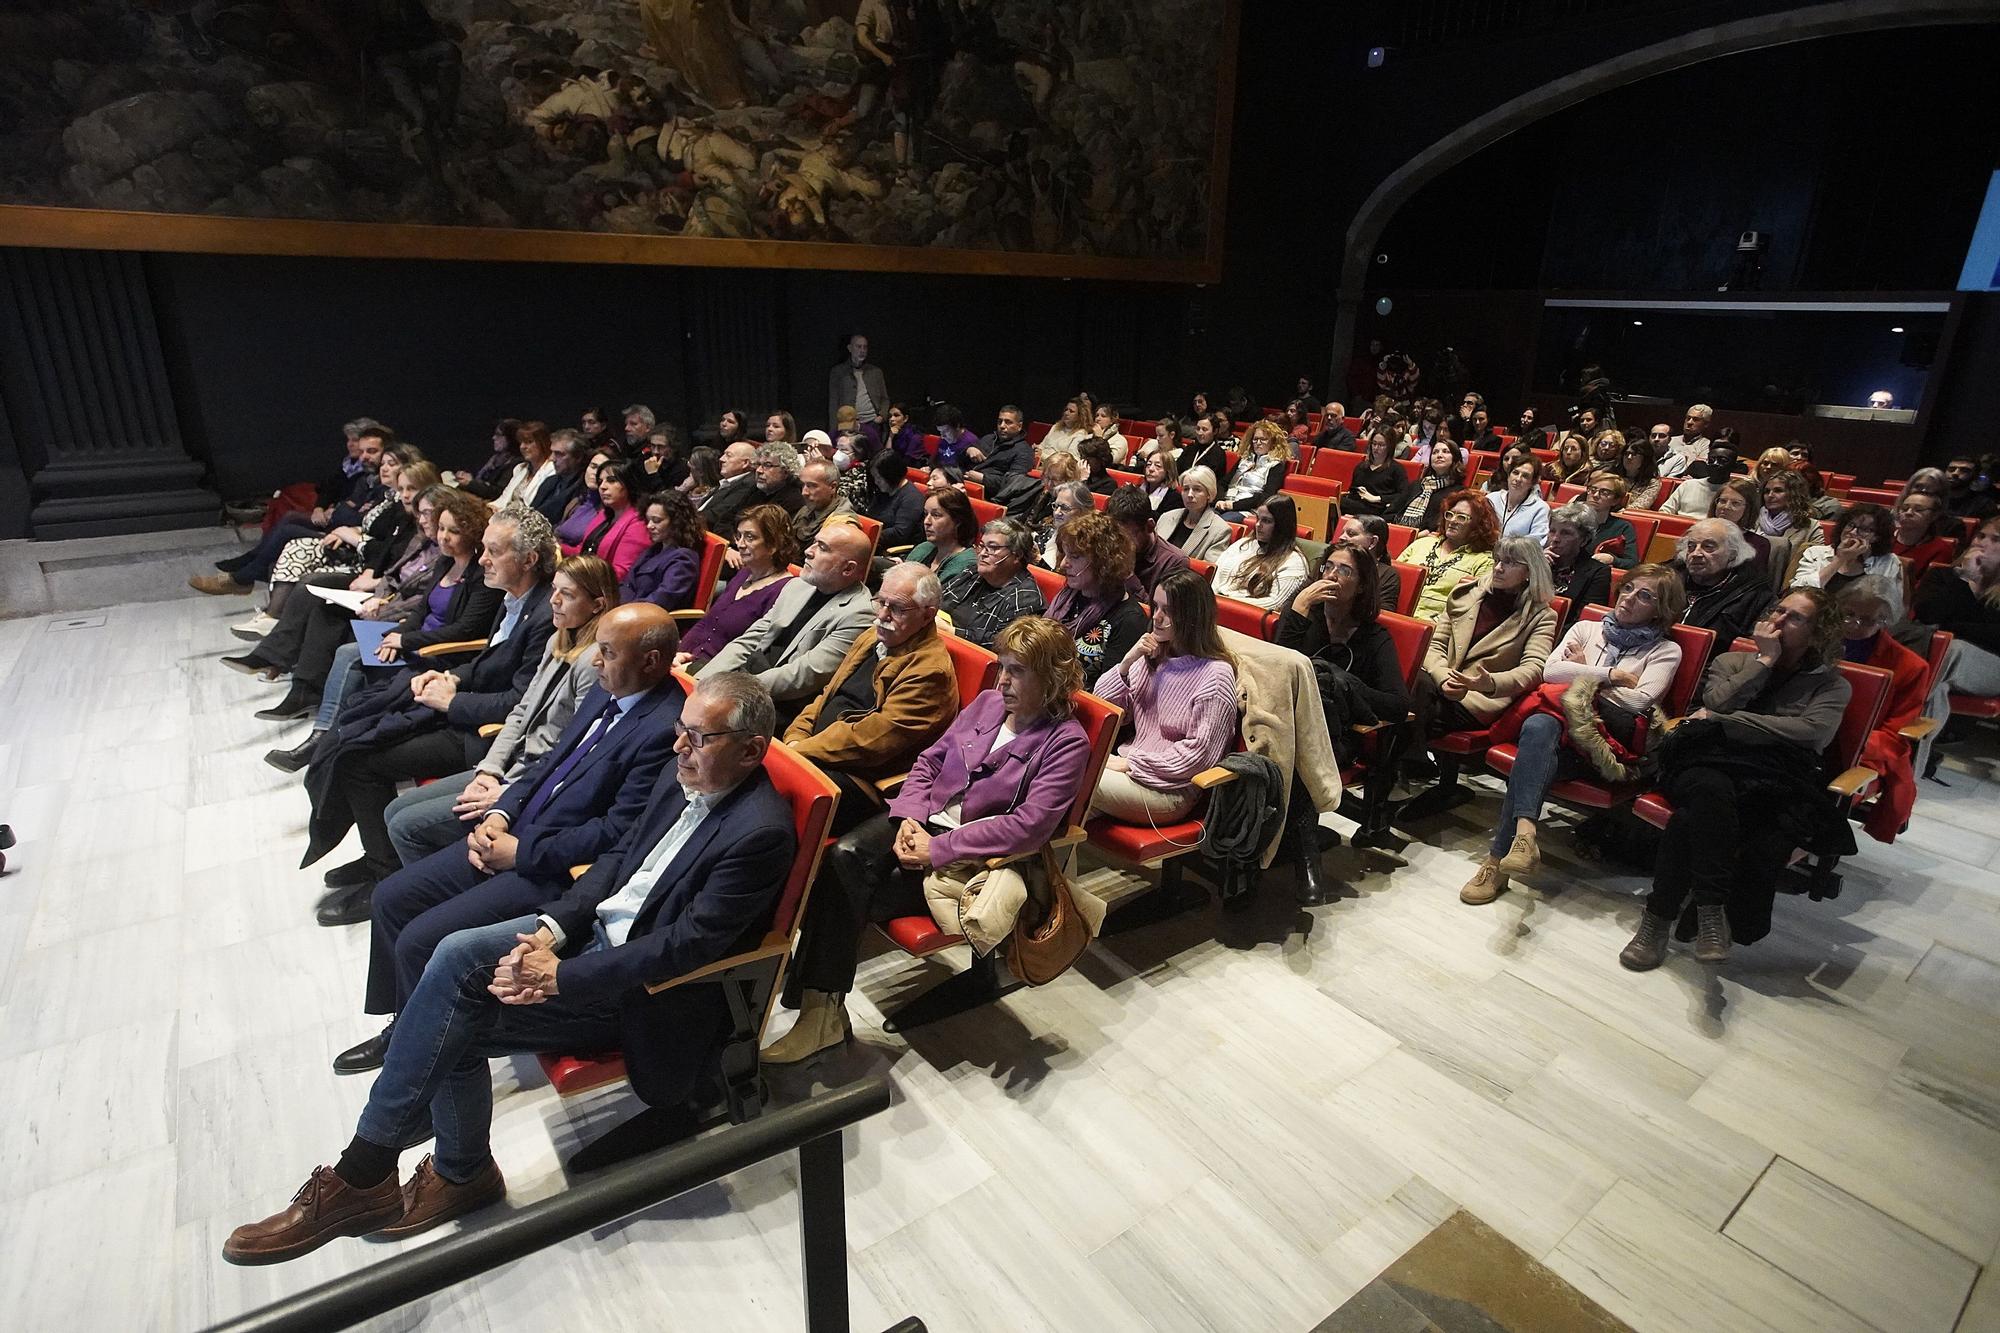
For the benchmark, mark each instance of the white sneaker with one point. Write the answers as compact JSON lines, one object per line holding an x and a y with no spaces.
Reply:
{"x":255,"y":628}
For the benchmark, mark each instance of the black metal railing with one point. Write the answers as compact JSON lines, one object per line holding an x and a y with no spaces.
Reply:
{"x":812,"y":1127}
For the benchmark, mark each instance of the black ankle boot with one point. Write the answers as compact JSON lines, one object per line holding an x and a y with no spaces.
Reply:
{"x":1302,"y":847}
{"x":291,"y":761}
{"x":299,"y":701}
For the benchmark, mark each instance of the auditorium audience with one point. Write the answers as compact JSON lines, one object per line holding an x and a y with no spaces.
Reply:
{"x":348,"y":553}
{"x":500,"y":465}
{"x":1607,"y":449}
{"x":570,"y":806}
{"x":1964,"y":498}
{"x":998,"y":590}
{"x":240,"y":573}
{"x":1617,"y":542}
{"x":1004,"y":453}
{"x":1071,"y":430}
{"x":1443,"y":475}
{"x":1743,"y":774}
{"x":429,"y":818}
{"x":1099,"y":602}
{"x":1572,"y":463}
{"x":1739,"y":502}
{"x":781,"y":427}
{"x":1861,"y":540}
{"x":1584,"y":581}
{"x":764,"y":549}
{"x":1334,"y":621}
{"x":1630,"y":657}
{"x":1333,"y":431}
{"x":568,"y":456}
{"x":737,"y":490}
{"x":1104,"y":427}
{"x":1642,"y":475}
{"x":1695,"y":496}
{"x":420,"y":724}
{"x":1786,"y":521}
{"x":1068,"y":501}
{"x":577,"y":982}
{"x":1177,"y":685}
{"x":1264,"y":567}
{"x":1460,"y":553}
{"x":906,"y":441}
{"x":1370,"y":535}
{"x":1097,"y":460}
{"x":1153,"y":557}
{"x":1518,"y":505}
{"x":585,"y":509}
{"x":953,"y":438}
{"x":896,"y":502}
{"x":999,"y":783}
{"x":1195,"y":529}
{"x":1208,"y":449}
{"x":819,"y":490}
{"x":1691,"y":445}
{"x":1963,"y":599}
{"x":793,"y":648}
{"x":1868,"y":607}
{"x":950,"y":529}
{"x":665,"y":572}
{"x":1260,"y":471}
{"x":893,"y":694}
{"x":1726,"y":590}
{"x":704,"y":475}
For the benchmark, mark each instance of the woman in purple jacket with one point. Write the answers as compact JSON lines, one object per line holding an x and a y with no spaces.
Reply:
{"x":1000,"y":782}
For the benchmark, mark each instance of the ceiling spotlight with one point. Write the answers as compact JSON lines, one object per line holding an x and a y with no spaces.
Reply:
{"x":1897,"y":329}
{"x":1638,"y":323}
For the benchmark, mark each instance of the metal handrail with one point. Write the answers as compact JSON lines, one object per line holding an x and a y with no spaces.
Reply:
{"x":812,"y":1127}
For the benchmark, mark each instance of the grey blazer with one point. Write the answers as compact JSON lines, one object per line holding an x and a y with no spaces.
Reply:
{"x":814,"y":653}
{"x":1210,"y":535}
{"x":545,"y":709}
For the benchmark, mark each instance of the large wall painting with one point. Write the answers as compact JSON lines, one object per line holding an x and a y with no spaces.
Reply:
{"x":1079,"y":137}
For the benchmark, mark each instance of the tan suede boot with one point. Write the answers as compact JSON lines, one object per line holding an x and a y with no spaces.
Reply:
{"x":822,"y":1026}
{"x":1523,"y":856}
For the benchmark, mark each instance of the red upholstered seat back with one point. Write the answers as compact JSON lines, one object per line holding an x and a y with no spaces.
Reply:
{"x":1400,"y":536}
{"x":1412,"y":639}
{"x":1243,"y":617}
{"x":985,"y":510}
{"x":977,"y":668}
{"x":812,"y":796}
{"x":1100,"y":722}
{"x":709,"y":570}
{"x":1412,"y":583}
{"x":1047,"y":580}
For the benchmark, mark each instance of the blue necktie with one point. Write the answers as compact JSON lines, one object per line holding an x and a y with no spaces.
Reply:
{"x":600,"y":727}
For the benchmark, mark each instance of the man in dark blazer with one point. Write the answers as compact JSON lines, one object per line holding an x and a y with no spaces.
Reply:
{"x":426,"y":724}
{"x":552,"y":499}
{"x":698,"y":876}
{"x":571,"y":807}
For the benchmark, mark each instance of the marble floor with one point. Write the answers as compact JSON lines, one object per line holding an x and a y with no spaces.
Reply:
{"x":1210,"y":1124}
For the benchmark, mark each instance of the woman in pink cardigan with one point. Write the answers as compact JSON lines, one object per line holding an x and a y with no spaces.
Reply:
{"x":1632,"y":655}
{"x":619,"y":537}
{"x":1178,"y":687}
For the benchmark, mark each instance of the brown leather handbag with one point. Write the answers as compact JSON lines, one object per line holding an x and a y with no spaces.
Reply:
{"x":1043,"y":952}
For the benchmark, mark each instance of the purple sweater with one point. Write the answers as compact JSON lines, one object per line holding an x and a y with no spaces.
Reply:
{"x":1183,"y":717}
{"x":1010,"y":800}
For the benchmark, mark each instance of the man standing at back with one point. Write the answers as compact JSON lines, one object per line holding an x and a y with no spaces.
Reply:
{"x":858,"y":383}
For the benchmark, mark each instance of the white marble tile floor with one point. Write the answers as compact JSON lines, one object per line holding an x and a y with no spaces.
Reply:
{"x":1213,"y":1123}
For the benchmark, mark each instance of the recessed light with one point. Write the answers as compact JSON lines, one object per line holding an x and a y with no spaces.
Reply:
{"x":1638,"y":323}
{"x":1897,"y":329}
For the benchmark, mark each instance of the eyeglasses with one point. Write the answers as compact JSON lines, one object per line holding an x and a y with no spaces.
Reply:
{"x":993,"y":548}
{"x":895,"y":609}
{"x":1339,"y":569}
{"x":1638,"y":595}
{"x":698,"y":740}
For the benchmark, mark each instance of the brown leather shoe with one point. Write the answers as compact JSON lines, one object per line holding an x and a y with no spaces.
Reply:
{"x":430,"y":1200}
{"x":325,"y":1207}
{"x":219,"y":585}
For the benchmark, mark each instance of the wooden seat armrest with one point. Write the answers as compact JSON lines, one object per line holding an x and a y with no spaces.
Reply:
{"x":687,"y":615}
{"x":491,"y":729}
{"x":891,"y":785}
{"x":1668,"y":724}
{"x":901,"y":550}
{"x":1853,"y":782}
{"x":774,"y":946}
{"x":1069,"y":838}
{"x":1918,"y":730}
{"x":453,"y":649}
{"x":576,"y":872}
{"x":1211,"y":778}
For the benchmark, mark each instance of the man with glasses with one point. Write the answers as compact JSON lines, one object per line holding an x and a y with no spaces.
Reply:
{"x":997,"y":590}
{"x":892,"y":695}
{"x":701,"y":869}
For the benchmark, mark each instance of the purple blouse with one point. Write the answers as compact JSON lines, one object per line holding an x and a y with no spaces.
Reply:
{"x":437,"y":602}
{"x":729,"y":615}
{"x":572,"y":530}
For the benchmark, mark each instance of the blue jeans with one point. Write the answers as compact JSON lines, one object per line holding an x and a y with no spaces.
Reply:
{"x":421,"y":822}
{"x":1538,"y":753}
{"x":445,"y":1035}
{"x":342,"y":676}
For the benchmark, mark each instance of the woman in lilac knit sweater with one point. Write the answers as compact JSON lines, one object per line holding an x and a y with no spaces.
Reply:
{"x":1178,"y":687}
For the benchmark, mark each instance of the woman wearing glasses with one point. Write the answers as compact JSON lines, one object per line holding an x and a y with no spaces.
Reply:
{"x":1632,"y":656}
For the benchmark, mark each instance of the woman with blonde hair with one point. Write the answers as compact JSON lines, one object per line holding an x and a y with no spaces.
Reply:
{"x":1786,"y":521}
{"x":998,"y":783}
{"x":1260,"y":470}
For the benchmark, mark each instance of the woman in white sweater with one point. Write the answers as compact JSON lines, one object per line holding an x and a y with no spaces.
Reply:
{"x":1633,"y":656}
{"x":1861,"y":549}
{"x":1265,"y":568}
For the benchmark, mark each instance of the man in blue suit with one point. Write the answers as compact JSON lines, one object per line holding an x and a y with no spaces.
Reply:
{"x":569,"y":809}
{"x":696,"y":879}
